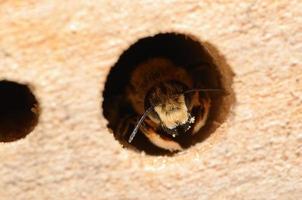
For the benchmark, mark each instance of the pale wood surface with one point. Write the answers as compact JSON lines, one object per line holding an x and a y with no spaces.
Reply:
{"x":64,"y":50}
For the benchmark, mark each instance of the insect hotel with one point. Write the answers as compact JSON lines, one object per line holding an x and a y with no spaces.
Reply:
{"x":150,"y":100}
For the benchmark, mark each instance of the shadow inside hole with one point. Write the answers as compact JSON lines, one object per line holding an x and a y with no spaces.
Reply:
{"x":203,"y":62}
{"x":18,"y":111}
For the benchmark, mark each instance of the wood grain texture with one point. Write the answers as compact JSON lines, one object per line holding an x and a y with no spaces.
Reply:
{"x":64,"y":51}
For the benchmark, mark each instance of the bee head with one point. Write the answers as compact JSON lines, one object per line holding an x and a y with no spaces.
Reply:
{"x":166,"y":104}
{"x":170,"y":107}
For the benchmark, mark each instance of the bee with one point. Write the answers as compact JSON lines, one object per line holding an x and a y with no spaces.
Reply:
{"x":167,"y":103}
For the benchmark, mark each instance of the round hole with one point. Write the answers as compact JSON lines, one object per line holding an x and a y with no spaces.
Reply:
{"x":200,"y":61}
{"x":18,"y":111}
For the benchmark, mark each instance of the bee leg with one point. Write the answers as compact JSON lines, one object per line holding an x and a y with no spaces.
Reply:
{"x":125,"y":126}
{"x":202,"y":117}
{"x":160,"y":141}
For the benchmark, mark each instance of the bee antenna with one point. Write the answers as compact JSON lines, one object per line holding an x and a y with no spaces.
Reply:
{"x":139,"y":123}
{"x":203,"y":90}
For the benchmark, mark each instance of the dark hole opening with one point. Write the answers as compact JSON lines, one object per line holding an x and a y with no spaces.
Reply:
{"x":18,"y":111}
{"x":183,"y":50}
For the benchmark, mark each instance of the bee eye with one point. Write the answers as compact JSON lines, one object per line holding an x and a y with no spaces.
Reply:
{"x":188,"y":100}
{"x":154,"y":116}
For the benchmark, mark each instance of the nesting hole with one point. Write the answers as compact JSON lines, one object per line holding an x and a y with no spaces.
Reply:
{"x":200,"y":59}
{"x":18,"y":111}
